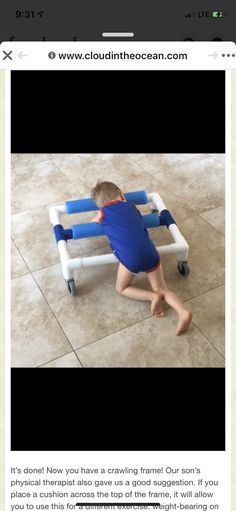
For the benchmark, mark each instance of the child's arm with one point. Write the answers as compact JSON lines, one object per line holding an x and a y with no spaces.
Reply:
{"x":97,"y":217}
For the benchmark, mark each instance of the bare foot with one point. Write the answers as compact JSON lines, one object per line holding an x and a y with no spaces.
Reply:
{"x":155,"y":309}
{"x":185,"y":319}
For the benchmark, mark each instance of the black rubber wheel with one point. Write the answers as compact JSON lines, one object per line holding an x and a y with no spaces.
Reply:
{"x":183,"y":268}
{"x":72,"y":287}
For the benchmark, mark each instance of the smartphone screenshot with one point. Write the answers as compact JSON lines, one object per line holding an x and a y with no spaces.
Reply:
{"x":116,"y":205}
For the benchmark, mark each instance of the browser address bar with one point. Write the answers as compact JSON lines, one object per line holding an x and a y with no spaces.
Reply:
{"x":118,"y":55}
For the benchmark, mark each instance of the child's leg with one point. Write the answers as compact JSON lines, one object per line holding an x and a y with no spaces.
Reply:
{"x":158,"y":284}
{"x":124,"y":287}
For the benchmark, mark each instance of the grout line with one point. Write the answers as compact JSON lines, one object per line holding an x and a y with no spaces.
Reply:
{"x":57,"y":358}
{"x":55,"y":201}
{"x":176,"y":198}
{"x":100,"y":338}
{"x":86,"y":254}
{"x":115,"y":332}
{"x":209,"y":340}
{"x":54,"y":315}
{"x":218,"y":161}
{"x":34,"y":271}
{"x":78,"y":359}
{"x":21,"y":256}
{"x":13,"y":167}
{"x":39,"y":269}
{"x":208,"y":223}
{"x":82,"y":195}
{"x":66,"y":177}
{"x":129,"y":326}
{"x":19,"y":276}
{"x":43,"y":206}
{"x":204,"y":292}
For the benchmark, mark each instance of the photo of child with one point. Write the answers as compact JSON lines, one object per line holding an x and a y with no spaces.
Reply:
{"x":140,"y":311}
{"x":132,"y":246}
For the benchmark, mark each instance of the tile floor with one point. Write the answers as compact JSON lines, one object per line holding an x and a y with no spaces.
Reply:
{"x":99,"y":328}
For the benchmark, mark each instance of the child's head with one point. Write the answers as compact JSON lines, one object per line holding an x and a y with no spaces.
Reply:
{"x":104,"y":192}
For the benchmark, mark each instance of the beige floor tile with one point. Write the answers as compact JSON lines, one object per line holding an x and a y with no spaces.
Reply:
{"x":151,"y":343}
{"x":97,"y":310}
{"x":149,"y":183}
{"x":18,"y":266}
{"x":38,"y":184}
{"x":33,"y":234}
{"x":197,"y":181}
{"x":18,"y":160}
{"x":215,"y":217}
{"x":219,"y":157}
{"x":209,"y":316}
{"x":84,"y":172}
{"x":69,"y":360}
{"x":158,"y":162}
{"x":206,"y":258}
{"x":63,"y":159}
{"x":87,"y":247}
{"x":36,"y":336}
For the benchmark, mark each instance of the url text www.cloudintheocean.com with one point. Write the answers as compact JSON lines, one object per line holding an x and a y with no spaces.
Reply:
{"x":123,"y":55}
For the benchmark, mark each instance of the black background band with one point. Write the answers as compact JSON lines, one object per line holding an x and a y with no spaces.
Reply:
{"x":118,"y":409}
{"x":118,"y":111}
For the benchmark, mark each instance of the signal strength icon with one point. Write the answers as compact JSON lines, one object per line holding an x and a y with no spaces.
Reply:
{"x":190,"y":15}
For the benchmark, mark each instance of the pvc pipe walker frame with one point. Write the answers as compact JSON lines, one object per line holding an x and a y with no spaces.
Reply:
{"x":179,"y":247}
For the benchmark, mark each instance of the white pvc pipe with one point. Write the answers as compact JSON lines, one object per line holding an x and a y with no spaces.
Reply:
{"x":63,"y":250}
{"x":181,"y":243}
{"x":157,"y":201}
{"x":54,"y":216}
{"x":65,"y":258}
{"x":172,"y":248}
{"x":55,"y":213}
{"x":177,"y":236}
{"x":62,"y":209}
{"x":84,"y":262}
{"x":149,"y":196}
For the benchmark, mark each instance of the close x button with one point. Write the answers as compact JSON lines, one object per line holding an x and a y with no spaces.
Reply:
{"x":7,"y":55}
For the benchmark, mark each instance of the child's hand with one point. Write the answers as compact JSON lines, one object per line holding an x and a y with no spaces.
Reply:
{"x":96,"y":218}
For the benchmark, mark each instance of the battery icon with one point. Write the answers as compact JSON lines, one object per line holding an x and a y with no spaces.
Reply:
{"x":217,"y":14}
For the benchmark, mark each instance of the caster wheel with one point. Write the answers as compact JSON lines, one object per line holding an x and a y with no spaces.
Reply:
{"x":183,"y":268}
{"x":72,"y":287}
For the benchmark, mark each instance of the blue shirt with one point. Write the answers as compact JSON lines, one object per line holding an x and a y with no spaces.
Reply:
{"x":128,"y":237}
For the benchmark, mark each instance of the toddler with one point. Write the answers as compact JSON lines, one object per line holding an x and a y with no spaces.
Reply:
{"x":130,"y":242}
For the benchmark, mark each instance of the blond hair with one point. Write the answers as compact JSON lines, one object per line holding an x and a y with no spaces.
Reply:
{"x":104,"y":192}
